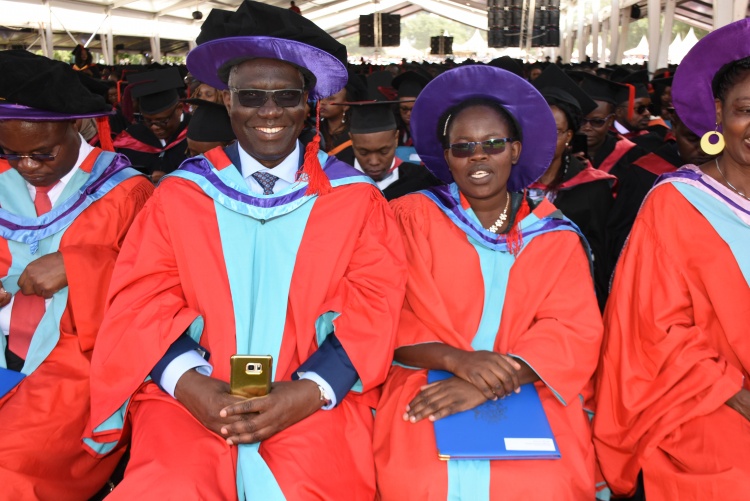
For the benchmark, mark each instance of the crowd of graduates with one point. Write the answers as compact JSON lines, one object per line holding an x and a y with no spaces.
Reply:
{"x":582,"y":228}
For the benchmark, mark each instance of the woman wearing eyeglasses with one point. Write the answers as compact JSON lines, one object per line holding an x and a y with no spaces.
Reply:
{"x":499,"y":294}
{"x":673,"y":393}
{"x":582,"y":193}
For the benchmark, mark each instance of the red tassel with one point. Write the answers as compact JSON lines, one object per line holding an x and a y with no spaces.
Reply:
{"x":317,"y":181}
{"x":515,"y":237}
{"x":105,"y":133}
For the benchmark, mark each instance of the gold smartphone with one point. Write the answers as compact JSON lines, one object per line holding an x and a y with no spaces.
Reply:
{"x":251,"y":375}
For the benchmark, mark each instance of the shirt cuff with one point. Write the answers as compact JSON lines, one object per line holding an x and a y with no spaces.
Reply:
{"x":179,"y":366}
{"x":313,"y":376}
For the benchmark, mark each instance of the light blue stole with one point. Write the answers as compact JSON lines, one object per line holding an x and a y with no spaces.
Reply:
{"x":731,"y":229}
{"x":260,"y":250}
{"x":469,"y":480}
{"x":30,"y":237}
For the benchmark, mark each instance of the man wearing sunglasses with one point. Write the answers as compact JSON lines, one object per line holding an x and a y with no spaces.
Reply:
{"x":65,"y":208}
{"x":608,"y":150}
{"x":156,"y":143}
{"x":263,"y":247}
{"x":633,"y":114}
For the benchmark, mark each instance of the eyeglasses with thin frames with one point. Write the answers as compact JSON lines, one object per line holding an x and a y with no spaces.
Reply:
{"x":255,"y":98}
{"x":37,"y":157}
{"x":161,"y":123}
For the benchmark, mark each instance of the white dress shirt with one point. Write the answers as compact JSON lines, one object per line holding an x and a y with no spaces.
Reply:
{"x":54,"y":196}
{"x":388,"y":180}
{"x":286,"y":172}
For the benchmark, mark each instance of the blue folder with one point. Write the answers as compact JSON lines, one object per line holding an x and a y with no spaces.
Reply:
{"x":8,"y":380}
{"x":514,"y":427}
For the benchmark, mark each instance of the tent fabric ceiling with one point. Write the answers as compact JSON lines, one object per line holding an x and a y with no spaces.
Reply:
{"x":133,"y":22}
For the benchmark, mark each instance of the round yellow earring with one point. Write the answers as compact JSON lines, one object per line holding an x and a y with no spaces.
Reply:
{"x":712,"y":148}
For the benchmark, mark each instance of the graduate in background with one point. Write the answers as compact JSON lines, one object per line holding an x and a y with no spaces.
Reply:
{"x":209,"y":127}
{"x":373,"y":151}
{"x":156,"y":144}
{"x":673,"y":385}
{"x":499,"y":294}
{"x":582,"y":193}
{"x":408,"y":85}
{"x":607,"y":150}
{"x":65,"y":208}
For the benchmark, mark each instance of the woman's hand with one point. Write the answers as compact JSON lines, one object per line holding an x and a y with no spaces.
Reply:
{"x":443,"y":398}
{"x":493,"y":374}
{"x":741,"y":403}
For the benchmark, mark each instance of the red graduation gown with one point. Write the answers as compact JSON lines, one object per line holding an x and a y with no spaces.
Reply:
{"x":44,"y":417}
{"x":172,"y":269}
{"x":676,"y":349}
{"x":550,"y":318}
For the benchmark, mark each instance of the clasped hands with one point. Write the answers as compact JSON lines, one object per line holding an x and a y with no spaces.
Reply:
{"x":478,"y":376}
{"x":245,"y":421}
{"x":42,"y":277}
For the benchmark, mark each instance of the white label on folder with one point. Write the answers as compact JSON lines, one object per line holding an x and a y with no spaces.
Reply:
{"x":529,"y":444}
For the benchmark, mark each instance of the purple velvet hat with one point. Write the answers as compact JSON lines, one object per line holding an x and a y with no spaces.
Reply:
{"x":259,"y":30}
{"x":692,"y":95}
{"x":522,"y":101}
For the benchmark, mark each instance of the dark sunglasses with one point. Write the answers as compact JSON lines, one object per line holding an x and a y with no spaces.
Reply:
{"x":595,"y":122}
{"x":255,"y":98}
{"x":638,"y":110}
{"x":490,"y":146}
{"x":37,"y":157}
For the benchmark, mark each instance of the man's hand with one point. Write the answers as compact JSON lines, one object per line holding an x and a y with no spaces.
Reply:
{"x":205,"y":397}
{"x":44,"y":276}
{"x":495,"y":375}
{"x":4,"y":296}
{"x":443,"y":398}
{"x":741,"y":403}
{"x":260,"y":418}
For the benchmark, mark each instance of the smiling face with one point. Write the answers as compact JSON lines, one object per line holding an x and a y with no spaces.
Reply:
{"x":60,"y":139}
{"x":375,"y":152}
{"x":269,"y":133}
{"x":734,"y":115}
{"x":481,"y":175}
{"x":165,"y":123}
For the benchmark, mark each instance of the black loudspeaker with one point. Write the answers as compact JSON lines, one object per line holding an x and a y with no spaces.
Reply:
{"x":552,"y":37}
{"x":635,"y":12}
{"x":441,"y":45}
{"x":496,"y":38}
{"x":367,"y":31}
{"x":518,"y":4}
{"x":495,"y":18}
{"x":390,"y":30}
{"x":120,"y":46}
{"x":553,"y":4}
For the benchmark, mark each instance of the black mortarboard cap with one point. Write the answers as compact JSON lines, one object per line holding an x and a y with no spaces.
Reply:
{"x":376,"y":83}
{"x":639,"y":80}
{"x":371,"y":116}
{"x":555,"y":84}
{"x":45,"y":84}
{"x":410,"y":83}
{"x":156,"y":90}
{"x":507,"y":63}
{"x":661,"y":84}
{"x":356,"y":86}
{"x":210,"y":122}
{"x":601,"y":89}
